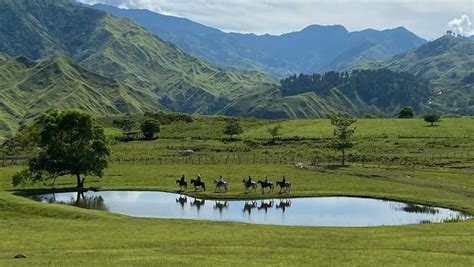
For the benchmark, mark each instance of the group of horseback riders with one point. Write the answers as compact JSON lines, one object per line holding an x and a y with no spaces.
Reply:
{"x":249,"y":184}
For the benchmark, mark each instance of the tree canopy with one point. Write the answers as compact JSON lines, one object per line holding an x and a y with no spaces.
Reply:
{"x":69,"y":143}
{"x":406,"y":113}
{"x":233,"y":128}
{"x":432,"y":118}
{"x":149,"y":128}
{"x":382,"y":87}
{"x":342,"y":133}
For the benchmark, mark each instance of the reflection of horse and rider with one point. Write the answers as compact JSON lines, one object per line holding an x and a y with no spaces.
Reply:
{"x":249,"y":184}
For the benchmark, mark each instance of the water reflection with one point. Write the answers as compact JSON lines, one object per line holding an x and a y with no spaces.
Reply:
{"x":284,"y":204}
{"x":80,"y":200}
{"x":322,"y":211}
{"x":221,"y":205}
{"x":182,"y":200}
{"x":249,"y":206}
{"x":198,"y":203}
{"x":414,"y":208}
{"x":266,"y":205}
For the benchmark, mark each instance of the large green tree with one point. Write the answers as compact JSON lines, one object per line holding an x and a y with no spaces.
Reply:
{"x":432,"y":118}
{"x":406,"y":113}
{"x":149,"y":128}
{"x":70,"y":143}
{"x":233,"y":128}
{"x":342,"y":133}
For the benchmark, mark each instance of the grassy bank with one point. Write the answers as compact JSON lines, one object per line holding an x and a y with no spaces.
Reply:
{"x":61,"y":235}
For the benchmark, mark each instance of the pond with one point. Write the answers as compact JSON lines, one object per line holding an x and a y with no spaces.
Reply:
{"x":311,"y":211}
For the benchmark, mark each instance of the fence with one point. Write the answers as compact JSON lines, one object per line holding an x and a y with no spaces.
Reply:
{"x":269,"y":159}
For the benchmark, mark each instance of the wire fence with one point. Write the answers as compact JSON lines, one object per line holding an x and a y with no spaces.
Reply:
{"x":426,"y":159}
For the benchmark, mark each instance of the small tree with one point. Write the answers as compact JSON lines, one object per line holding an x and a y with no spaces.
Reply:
{"x":432,"y":118}
{"x":149,"y":128}
{"x":274,"y":132}
{"x":342,"y":134}
{"x":233,"y":128}
{"x":126,"y":123}
{"x":70,"y":143}
{"x":406,"y":113}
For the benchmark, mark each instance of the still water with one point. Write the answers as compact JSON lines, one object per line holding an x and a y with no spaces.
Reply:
{"x":313,"y":211}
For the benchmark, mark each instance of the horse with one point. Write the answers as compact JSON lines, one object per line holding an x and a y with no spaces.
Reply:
{"x":183,"y":185}
{"x":197,"y":184}
{"x":249,"y":206}
{"x":249,"y":185}
{"x":265,"y":205}
{"x":265,"y":184}
{"x":284,"y":186}
{"x":284,"y":204}
{"x":220,"y":184}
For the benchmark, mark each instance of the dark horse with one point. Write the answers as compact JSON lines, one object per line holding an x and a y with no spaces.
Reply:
{"x":249,"y":185}
{"x":197,"y":184}
{"x":284,"y":186}
{"x":265,"y":184}
{"x":183,"y":185}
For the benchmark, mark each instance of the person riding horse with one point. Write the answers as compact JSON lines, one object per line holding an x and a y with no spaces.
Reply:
{"x":183,"y":185}
{"x":284,"y":185}
{"x":199,"y":179}
{"x":220,"y":182}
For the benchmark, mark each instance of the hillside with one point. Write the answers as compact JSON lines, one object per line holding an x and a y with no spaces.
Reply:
{"x":124,"y":51}
{"x":314,"y":49}
{"x":28,"y":88}
{"x":360,"y":92}
{"x":447,"y":64}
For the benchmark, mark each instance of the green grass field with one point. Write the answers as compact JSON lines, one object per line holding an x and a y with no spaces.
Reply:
{"x":62,"y":235}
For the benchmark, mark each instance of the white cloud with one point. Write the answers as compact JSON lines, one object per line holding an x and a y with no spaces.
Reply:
{"x":427,"y":18}
{"x":462,"y":25}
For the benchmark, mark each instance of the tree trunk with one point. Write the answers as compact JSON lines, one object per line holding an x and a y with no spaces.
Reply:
{"x":343,"y":158}
{"x":80,"y":183}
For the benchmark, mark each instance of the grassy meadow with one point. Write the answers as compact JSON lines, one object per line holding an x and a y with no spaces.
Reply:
{"x":51,"y":234}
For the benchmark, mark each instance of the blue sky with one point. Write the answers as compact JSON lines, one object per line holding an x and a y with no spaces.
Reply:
{"x":427,"y":18}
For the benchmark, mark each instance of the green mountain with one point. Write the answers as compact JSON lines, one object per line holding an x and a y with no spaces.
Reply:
{"x":448,"y":65}
{"x":314,"y":49}
{"x":28,"y":88}
{"x":118,"y":48}
{"x":359,"y":92}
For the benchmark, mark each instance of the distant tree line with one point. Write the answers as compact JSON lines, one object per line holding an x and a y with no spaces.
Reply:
{"x":382,"y":87}
{"x":148,"y":124}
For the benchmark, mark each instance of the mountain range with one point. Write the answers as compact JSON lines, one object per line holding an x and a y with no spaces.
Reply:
{"x":57,"y":53}
{"x":121,"y":50}
{"x":448,"y":65}
{"x":314,"y":49}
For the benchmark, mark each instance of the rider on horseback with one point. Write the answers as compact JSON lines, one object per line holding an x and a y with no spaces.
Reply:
{"x":221,"y":179}
{"x":182,"y":179}
{"x":249,"y":182}
{"x":265,"y":179}
{"x":284,"y":180}
{"x":199,"y":179}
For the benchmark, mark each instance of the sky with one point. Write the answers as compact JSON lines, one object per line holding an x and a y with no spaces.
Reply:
{"x":427,"y":18}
